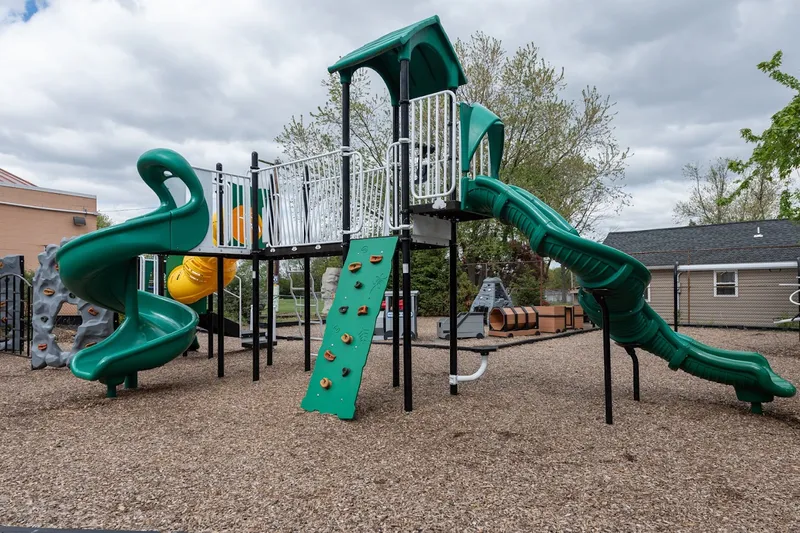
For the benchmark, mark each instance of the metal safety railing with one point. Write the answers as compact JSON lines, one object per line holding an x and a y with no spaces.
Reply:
{"x":433,"y":135}
{"x":303,"y":200}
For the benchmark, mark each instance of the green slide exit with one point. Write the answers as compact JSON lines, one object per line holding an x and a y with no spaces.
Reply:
{"x":349,"y":328}
{"x":631,"y":319}
{"x":101,"y":268}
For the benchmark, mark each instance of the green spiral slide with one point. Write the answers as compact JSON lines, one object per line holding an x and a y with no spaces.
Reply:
{"x":632,"y":321}
{"x":101,"y":268}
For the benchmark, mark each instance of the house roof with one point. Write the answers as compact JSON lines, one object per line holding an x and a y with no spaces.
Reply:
{"x":433,"y":65}
{"x":712,"y":244}
{"x":9,"y":178}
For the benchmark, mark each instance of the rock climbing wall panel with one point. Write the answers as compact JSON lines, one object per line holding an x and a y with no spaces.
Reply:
{"x":49,"y":294}
{"x":345,"y":346}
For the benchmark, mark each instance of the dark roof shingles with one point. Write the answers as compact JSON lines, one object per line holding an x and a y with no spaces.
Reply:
{"x":712,"y":244}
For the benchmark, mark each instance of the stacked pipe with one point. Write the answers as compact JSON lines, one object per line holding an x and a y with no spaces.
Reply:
{"x":510,"y":321}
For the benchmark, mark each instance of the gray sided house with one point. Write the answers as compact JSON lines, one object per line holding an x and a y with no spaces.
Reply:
{"x":736,"y":274}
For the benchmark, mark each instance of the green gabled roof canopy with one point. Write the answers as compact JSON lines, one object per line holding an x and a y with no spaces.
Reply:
{"x":433,"y":64}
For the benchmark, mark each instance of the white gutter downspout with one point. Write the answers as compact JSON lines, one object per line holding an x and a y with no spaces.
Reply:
{"x":56,"y":209}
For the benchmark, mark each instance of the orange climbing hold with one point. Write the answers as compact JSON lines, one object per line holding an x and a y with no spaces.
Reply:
{"x":92,"y":311}
{"x":42,"y":347}
{"x":329,"y":355}
{"x":353,"y":267}
{"x":325,"y":383}
{"x":362,"y":310}
{"x":347,"y":338}
{"x":375,"y":259}
{"x":49,"y":292}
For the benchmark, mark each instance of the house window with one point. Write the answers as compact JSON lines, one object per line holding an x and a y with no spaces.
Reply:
{"x":647,"y":293}
{"x":726,"y":283}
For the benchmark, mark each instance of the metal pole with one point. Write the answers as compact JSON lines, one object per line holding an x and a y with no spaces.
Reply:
{"x":453,"y":306}
{"x":345,"y":170}
{"x":220,"y":275}
{"x":210,"y":326}
{"x":601,"y":299}
{"x":307,"y":313}
{"x":675,"y":295}
{"x":270,"y":313}
{"x":635,"y":362}
{"x":162,"y":266}
{"x":395,"y":275}
{"x":256,"y":288}
{"x":395,"y":319}
{"x":798,"y":307}
{"x":405,"y":240}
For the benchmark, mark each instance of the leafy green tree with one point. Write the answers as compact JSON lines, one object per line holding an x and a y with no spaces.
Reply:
{"x":104,"y":221}
{"x":776,"y":155}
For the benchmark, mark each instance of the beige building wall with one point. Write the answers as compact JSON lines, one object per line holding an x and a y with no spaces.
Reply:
{"x":760,"y":299}
{"x":31,"y":218}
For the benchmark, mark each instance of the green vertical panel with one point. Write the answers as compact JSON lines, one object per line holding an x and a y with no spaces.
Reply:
{"x":340,"y":398}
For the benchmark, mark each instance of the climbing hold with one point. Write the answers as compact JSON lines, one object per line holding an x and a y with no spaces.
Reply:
{"x":347,"y":338}
{"x":2,"y":304}
{"x":329,"y":355}
{"x":92,"y":311}
{"x":42,"y":347}
{"x":89,"y":344}
{"x":325,"y":383}
{"x":43,"y":318}
{"x":4,"y":320}
{"x":345,"y":371}
{"x":375,"y":259}
{"x":353,"y":267}
{"x":343,"y":309}
{"x":358,"y":285}
{"x":1,"y":264}
{"x":362,"y":310}
{"x":48,"y":292}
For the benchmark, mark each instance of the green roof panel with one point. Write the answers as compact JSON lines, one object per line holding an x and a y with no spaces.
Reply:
{"x":433,"y":65}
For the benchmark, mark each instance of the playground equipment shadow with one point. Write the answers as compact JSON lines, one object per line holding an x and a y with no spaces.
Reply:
{"x":523,"y":448}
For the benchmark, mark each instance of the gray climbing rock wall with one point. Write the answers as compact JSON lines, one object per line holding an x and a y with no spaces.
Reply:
{"x":49,"y":294}
{"x":330,"y":280}
{"x":11,"y":289}
{"x":492,"y":294}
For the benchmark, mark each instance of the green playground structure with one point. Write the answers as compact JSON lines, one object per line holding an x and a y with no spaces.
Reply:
{"x":442,"y":167}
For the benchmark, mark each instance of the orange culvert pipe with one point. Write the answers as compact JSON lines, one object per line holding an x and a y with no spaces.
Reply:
{"x":513,"y":318}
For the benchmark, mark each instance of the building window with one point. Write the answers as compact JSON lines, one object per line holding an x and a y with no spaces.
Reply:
{"x":647,"y":293}
{"x":726,"y":283}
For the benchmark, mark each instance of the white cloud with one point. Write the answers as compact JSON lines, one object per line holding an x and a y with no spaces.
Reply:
{"x":90,"y":85}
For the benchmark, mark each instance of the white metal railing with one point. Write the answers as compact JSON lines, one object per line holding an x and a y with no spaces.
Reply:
{"x":144,"y":280}
{"x":433,"y":134}
{"x":303,"y":200}
{"x":234,"y":233}
{"x":373,"y":207}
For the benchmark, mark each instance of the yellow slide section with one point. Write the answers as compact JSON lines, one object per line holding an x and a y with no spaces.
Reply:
{"x":196,"y":277}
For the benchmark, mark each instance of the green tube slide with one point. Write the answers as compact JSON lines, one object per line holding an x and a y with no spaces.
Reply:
{"x":101,"y":268}
{"x":632,"y":320}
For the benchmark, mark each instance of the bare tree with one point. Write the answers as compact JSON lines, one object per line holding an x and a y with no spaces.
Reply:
{"x":713,"y":185}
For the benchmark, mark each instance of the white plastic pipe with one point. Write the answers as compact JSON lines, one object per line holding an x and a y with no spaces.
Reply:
{"x":456,"y":379}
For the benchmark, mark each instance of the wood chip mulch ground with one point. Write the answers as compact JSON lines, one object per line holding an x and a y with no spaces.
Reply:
{"x":523,"y":449}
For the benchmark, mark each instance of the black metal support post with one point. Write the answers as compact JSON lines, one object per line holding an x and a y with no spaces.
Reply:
{"x":798,"y":307}
{"x":635,"y":362}
{"x":395,"y":275}
{"x":220,"y":276}
{"x":395,"y":319}
{"x":601,"y":300}
{"x":453,"y":306}
{"x":405,"y":239}
{"x":270,"y":306}
{"x":256,"y":289}
{"x":162,"y":275}
{"x":210,"y":326}
{"x":307,"y":313}
{"x":675,"y":295}
{"x":220,"y":318}
{"x":345,"y":170}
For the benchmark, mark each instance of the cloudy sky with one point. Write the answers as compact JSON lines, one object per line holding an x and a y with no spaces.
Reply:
{"x":88,"y":85}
